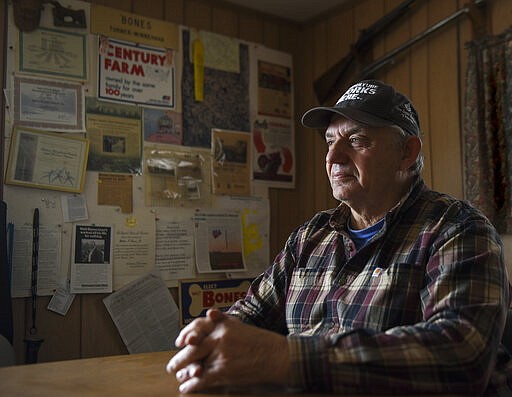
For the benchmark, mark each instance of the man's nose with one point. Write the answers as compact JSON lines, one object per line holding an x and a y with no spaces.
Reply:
{"x":337,"y":152}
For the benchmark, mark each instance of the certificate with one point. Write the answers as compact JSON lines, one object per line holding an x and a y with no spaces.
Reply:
{"x":53,"y":52}
{"x":49,"y":105}
{"x":47,"y":161}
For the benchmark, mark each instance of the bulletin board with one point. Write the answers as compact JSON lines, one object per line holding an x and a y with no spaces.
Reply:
{"x":183,"y":130}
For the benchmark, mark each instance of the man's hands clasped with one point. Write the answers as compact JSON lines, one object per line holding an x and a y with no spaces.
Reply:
{"x":219,"y":350}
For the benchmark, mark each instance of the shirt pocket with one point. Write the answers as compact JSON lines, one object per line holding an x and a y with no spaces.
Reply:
{"x":305,"y":302}
{"x":383,"y":298}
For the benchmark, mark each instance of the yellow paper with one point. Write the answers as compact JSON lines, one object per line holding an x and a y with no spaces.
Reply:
{"x":116,"y":189}
{"x":134,"y":28}
{"x":198,"y":70}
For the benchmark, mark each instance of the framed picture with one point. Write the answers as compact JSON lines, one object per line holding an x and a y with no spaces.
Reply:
{"x":53,"y":53}
{"x":47,"y":161}
{"x":49,"y":105}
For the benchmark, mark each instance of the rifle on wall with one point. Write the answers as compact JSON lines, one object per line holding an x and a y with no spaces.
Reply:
{"x":477,"y":12}
{"x":382,"y":61}
{"x":331,"y":81}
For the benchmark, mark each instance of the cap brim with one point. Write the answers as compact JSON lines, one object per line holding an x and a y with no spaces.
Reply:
{"x":320,"y":117}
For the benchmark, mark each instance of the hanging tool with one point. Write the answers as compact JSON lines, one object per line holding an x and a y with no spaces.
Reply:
{"x":32,"y":340}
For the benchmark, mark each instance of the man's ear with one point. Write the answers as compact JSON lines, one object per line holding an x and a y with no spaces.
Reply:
{"x":412,"y":149}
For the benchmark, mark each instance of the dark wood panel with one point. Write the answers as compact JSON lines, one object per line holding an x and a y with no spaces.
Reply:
{"x":271,"y":34}
{"x":99,"y":334}
{"x":61,"y":334}
{"x":153,"y":9}
{"x":419,"y":84}
{"x":444,"y":101}
{"x":365,"y":13}
{"x":397,"y":72}
{"x":340,"y":36}
{"x":173,"y":11}
{"x":250,"y":28}
{"x":197,"y":14}
{"x":500,"y":12}
{"x":3,"y":42}
{"x":288,"y":216}
{"x":119,"y":4}
{"x":19,"y":328}
{"x":224,"y":22}
{"x":304,"y":137}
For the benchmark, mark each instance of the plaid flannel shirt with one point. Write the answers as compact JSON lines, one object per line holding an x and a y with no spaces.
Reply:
{"x":419,"y":309}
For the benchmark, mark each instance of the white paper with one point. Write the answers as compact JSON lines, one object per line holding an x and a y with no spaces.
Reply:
{"x":145,"y":314}
{"x":134,"y":248}
{"x":218,"y":242}
{"x":255,"y":216}
{"x":220,"y":52}
{"x":49,"y":260}
{"x":175,"y":249}
{"x":74,"y":208}
{"x":91,"y":262}
{"x":61,"y":300}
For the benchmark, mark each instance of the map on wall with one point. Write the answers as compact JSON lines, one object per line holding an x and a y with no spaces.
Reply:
{"x":222,"y":90}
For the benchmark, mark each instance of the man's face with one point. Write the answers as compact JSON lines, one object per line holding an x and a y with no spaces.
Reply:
{"x":363,"y":163}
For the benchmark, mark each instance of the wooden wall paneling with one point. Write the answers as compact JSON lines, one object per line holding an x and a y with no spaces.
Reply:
{"x":340,"y":36}
{"x":444,"y":101}
{"x":3,"y":41}
{"x":304,"y":143}
{"x":153,"y":9}
{"x":397,"y":71}
{"x":288,"y":215}
{"x":501,"y":15}
{"x":271,"y":33}
{"x":224,"y":21}
{"x":287,"y":35}
{"x":99,"y":336}
{"x":197,"y":14}
{"x":119,"y":4}
{"x":420,"y":84}
{"x":19,"y":327}
{"x":61,"y":334}
{"x":274,"y":241}
{"x":321,"y":186}
{"x":173,"y":11}
{"x":367,"y":12}
{"x":378,"y":47}
{"x":465,"y":36}
{"x":250,"y":27}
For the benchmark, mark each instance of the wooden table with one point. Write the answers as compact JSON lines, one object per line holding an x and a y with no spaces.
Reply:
{"x":125,"y":375}
{"x":141,"y":375}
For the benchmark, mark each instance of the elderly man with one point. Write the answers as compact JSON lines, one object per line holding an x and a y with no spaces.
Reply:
{"x":399,"y":289}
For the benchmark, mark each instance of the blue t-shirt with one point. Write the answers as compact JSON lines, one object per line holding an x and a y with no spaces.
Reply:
{"x":361,"y":237}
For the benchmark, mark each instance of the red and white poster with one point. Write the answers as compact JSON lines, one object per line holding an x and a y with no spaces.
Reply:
{"x":136,"y":74}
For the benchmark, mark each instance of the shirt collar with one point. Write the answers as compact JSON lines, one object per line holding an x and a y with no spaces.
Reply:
{"x":339,"y":217}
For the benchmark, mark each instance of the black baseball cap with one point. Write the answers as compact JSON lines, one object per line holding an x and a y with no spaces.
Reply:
{"x":369,"y":102}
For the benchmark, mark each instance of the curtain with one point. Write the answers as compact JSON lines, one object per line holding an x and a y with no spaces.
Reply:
{"x":487,"y":129}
